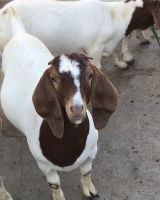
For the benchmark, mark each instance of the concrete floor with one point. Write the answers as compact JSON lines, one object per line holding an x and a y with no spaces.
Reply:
{"x":127,"y":166}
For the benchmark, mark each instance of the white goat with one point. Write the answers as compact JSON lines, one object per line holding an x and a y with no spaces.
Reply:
{"x":127,"y":57}
{"x":67,"y":27}
{"x":61,"y":135}
{"x":4,"y":195}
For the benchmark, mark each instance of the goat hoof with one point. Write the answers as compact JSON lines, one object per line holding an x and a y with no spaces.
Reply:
{"x":131,"y":62}
{"x":122,"y":65}
{"x":104,"y":54}
{"x":94,"y":195}
{"x":145,"y":42}
{"x":90,"y":198}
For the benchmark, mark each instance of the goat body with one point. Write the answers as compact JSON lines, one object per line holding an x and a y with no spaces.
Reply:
{"x":23,"y":66}
{"x":17,"y":97}
{"x":141,"y":19}
{"x":66,"y":27}
{"x":60,"y":131}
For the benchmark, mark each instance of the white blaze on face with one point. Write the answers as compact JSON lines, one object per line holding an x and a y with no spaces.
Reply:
{"x":71,"y":66}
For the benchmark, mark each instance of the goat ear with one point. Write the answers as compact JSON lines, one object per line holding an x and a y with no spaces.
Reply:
{"x":47,"y":105}
{"x":156,"y":16}
{"x":104,"y":98}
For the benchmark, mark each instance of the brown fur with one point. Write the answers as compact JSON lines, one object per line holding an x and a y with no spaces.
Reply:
{"x":46,"y":104}
{"x":146,"y":16}
{"x":103,"y":99}
{"x":64,"y":152}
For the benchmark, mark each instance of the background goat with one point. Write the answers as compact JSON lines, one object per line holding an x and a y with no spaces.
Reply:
{"x":142,"y":18}
{"x":49,"y":105}
{"x":127,"y":57}
{"x":67,"y":27}
{"x":89,"y":26}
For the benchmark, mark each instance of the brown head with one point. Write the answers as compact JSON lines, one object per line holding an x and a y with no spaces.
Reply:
{"x":146,"y":16}
{"x":69,"y":84}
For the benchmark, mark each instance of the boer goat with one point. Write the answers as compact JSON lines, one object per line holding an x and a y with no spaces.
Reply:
{"x":142,"y":19}
{"x":80,"y":26}
{"x":49,"y":105}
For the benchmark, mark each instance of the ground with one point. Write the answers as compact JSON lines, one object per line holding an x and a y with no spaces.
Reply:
{"x":127,"y":166}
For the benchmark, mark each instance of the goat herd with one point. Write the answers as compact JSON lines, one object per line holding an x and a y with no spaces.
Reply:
{"x":46,"y":97}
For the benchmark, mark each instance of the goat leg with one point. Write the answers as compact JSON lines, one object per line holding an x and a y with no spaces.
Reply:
{"x":54,"y":182}
{"x":118,"y":63}
{"x":126,"y":54}
{"x":88,"y":188}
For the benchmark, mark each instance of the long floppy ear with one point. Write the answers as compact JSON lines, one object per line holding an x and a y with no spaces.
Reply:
{"x":156,"y":15}
{"x":47,"y":106}
{"x":104,"y":98}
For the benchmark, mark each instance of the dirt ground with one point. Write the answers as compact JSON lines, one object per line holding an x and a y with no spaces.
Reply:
{"x":127,"y":166}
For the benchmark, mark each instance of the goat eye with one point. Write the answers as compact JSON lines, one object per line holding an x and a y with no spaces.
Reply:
{"x":90,"y":76}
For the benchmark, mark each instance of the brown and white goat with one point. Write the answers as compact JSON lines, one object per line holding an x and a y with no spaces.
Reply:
{"x":143,"y":18}
{"x":49,"y":105}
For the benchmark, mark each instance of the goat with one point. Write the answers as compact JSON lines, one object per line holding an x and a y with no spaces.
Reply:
{"x":66,"y":27}
{"x":4,"y":195}
{"x":127,"y":56}
{"x":142,"y":18}
{"x":49,"y":105}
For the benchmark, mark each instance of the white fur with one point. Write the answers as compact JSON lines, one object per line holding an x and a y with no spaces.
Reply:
{"x":67,"y":27}
{"x":127,"y":55}
{"x":86,"y":183}
{"x":71,"y":66}
{"x":24,"y":60}
{"x":77,"y":98}
{"x":67,"y":65}
{"x":58,"y":194}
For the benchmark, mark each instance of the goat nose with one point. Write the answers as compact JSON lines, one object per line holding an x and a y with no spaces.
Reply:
{"x":77,"y":109}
